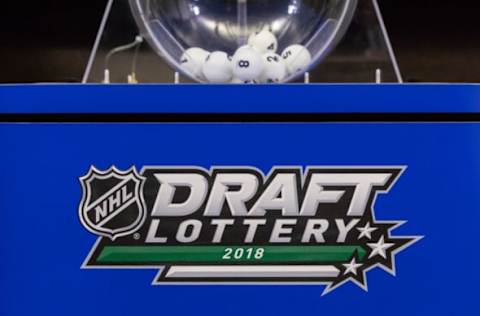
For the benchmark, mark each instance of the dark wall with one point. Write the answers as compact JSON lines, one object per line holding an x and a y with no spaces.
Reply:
{"x":49,"y":40}
{"x":436,"y":40}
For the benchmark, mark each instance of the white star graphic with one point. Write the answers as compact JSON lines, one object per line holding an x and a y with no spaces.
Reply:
{"x":366,"y":231}
{"x":392,"y":270}
{"x":352,"y":267}
{"x":380,"y":248}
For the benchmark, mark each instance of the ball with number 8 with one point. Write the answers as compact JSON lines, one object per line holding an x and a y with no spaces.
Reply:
{"x":247,"y":63}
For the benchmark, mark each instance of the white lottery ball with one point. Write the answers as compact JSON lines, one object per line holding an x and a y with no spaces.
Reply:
{"x":247,"y":63}
{"x":217,"y":68}
{"x":239,"y":81}
{"x":275,"y":70}
{"x":265,"y":41}
{"x":297,"y":58}
{"x":192,"y":61}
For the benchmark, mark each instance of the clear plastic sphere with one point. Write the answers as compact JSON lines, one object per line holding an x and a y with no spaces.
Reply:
{"x":311,"y":27}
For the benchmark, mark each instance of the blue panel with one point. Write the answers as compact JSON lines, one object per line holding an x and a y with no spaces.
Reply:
{"x":43,"y":244}
{"x":240,"y":99}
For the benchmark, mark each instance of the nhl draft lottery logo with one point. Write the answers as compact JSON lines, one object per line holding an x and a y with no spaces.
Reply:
{"x":112,"y":203}
{"x":237,"y":225}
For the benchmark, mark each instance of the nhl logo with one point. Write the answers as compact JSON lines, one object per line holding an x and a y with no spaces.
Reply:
{"x":112,"y":204}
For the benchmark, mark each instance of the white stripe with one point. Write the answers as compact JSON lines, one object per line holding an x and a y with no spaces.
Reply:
{"x":252,"y":272}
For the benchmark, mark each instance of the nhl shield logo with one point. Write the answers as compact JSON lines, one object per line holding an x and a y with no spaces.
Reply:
{"x":112,"y":204}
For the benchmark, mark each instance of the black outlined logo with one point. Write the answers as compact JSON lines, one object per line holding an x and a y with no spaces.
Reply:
{"x":112,"y":203}
{"x":237,"y":225}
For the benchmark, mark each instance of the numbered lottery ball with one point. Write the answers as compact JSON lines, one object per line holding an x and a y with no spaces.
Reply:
{"x":275,"y":70}
{"x":217,"y":68}
{"x":297,"y":58}
{"x":192,"y":61}
{"x":264,"y":41}
{"x":238,"y":81}
{"x":247,"y":63}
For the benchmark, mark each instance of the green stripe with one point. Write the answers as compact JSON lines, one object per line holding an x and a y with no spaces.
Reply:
{"x":215,"y":254}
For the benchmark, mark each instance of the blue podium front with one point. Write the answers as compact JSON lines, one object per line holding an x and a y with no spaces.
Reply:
{"x":258,"y":200}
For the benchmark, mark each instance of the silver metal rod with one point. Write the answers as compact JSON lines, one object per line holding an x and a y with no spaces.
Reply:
{"x":387,"y":40}
{"x":307,"y":77}
{"x":103,"y":24}
{"x":242,"y":21}
{"x":378,"y":76}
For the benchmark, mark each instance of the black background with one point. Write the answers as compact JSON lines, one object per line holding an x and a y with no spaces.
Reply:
{"x":50,"y":40}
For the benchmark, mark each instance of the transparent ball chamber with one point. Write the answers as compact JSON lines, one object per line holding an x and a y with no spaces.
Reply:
{"x":243,"y":41}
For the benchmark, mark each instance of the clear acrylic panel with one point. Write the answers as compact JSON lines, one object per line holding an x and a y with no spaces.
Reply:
{"x":353,"y":48}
